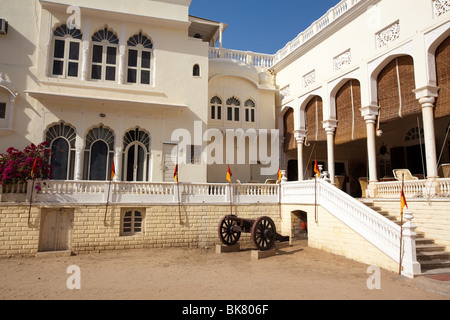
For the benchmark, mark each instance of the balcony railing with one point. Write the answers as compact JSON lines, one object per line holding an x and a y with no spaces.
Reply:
{"x":95,"y":192}
{"x":251,"y":58}
{"x":332,"y":15}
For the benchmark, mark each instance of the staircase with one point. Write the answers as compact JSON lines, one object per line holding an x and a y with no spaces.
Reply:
{"x":433,"y":258}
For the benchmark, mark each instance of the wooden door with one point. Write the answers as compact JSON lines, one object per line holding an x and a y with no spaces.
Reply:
{"x":56,"y":230}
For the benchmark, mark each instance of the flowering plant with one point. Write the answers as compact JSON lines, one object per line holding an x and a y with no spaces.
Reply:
{"x":17,"y":166}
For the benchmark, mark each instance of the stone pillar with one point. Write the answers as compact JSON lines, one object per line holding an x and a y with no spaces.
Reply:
{"x":427,"y":96}
{"x":370,"y":114}
{"x":409,"y":256}
{"x":85,"y":58}
{"x":330,"y":127}
{"x":78,"y":174}
{"x":300,"y":136}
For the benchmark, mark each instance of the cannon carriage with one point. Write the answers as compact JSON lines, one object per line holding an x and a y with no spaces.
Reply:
{"x":263,"y":231}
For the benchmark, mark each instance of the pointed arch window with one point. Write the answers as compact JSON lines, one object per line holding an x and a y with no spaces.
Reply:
{"x":136,"y":155}
{"x":250,"y":111}
{"x":233,"y":109}
{"x":216,"y":108}
{"x":61,"y":138}
{"x":140,"y":51}
{"x":104,"y":55}
{"x":66,"y":52}
{"x":98,"y":153}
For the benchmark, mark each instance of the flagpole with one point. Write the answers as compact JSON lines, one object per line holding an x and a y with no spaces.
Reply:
{"x":279,"y":190}
{"x":33,"y":169}
{"x":31,"y":201}
{"x":401,"y":229}
{"x":229,"y":174}
{"x":111,"y":177}
{"x":107,"y":201}
{"x":315,"y":199}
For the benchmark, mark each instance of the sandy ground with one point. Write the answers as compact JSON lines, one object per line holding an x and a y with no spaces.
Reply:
{"x":296,"y":273}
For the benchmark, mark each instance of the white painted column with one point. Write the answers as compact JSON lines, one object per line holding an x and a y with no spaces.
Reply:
{"x":78,"y":174}
{"x":300,"y":136}
{"x":122,"y":56}
{"x":85,"y":51}
{"x":371,"y":147}
{"x":427,"y":104}
{"x":370,"y":114}
{"x":427,"y":96}
{"x":330,"y":128}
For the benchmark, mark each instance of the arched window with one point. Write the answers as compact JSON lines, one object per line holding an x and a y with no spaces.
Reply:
{"x":233,"y":109}
{"x":415,"y":134}
{"x":61,"y":138}
{"x":136,"y":155}
{"x":66,"y":52}
{"x":104,"y":55}
{"x":216,"y":108}
{"x":98,"y":154}
{"x":196,"y":71}
{"x":250,"y":108}
{"x":139,"y":59}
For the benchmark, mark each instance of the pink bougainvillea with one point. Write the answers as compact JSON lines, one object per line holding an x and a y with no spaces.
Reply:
{"x":16,"y":166}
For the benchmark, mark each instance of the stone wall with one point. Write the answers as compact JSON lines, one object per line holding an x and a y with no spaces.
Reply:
{"x":88,"y":232}
{"x":327,"y":233}
{"x":431,"y":217}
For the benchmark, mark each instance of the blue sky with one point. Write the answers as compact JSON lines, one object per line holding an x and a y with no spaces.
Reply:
{"x":263,"y":26}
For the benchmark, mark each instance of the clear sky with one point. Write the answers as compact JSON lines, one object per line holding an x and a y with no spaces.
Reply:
{"x":262,"y":26}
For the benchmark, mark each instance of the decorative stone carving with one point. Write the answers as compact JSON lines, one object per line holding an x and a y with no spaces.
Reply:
{"x":309,"y":79}
{"x":441,"y":7}
{"x":285,"y":92}
{"x":388,"y":35}
{"x":342,"y":60}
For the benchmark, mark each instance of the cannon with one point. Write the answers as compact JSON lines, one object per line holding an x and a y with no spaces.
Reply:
{"x":263,"y":231}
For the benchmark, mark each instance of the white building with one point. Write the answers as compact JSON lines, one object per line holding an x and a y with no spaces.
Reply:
{"x":364,"y":90}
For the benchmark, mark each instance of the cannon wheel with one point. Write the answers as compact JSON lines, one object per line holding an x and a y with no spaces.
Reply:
{"x":226,"y":234}
{"x":264,"y":233}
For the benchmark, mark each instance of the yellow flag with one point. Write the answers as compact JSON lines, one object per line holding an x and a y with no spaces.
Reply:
{"x":403,"y":203}
{"x":229,"y":174}
{"x":113,"y":171}
{"x":316,"y":169}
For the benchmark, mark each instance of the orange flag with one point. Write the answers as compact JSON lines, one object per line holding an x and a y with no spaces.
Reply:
{"x":33,"y":169}
{"x":279,"y":174}
{"x":229,"y":174}
{"x":113,"y":171}
{"x":175,"y":173}
{"x":403,"y":203}
{"x":316,"y":169}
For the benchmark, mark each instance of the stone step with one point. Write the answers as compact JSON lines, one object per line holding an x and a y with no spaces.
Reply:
{"x":434,"y":264}
{"x":421,"y":240}
{"x":433,"y":258}
{"x":429,"y":247}
{"x":433,"y":255}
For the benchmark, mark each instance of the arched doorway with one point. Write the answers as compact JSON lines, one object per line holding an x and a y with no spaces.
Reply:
{"x":98,"y":153}
{"x":136,"y":155}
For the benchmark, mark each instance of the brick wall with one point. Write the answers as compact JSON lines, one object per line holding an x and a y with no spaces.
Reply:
{"x":161,"y":227}
{"x":331,"y":235}
{"x":431,"y":218}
